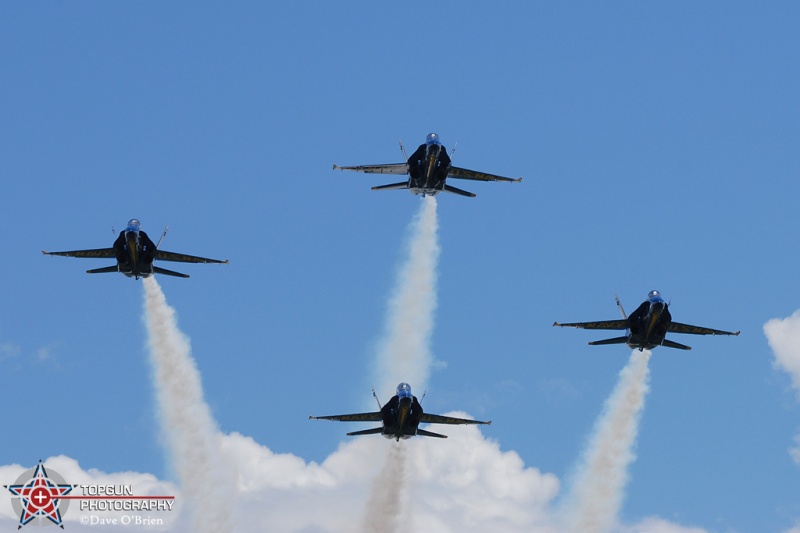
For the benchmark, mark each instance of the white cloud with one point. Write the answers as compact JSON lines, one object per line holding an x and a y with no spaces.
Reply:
{"x":9,"y":350}
{"x":783,"y":336}
{"x":795,"y":452}
{"x":657,"y":525}
{"x":463,"y":484}
{"x":784,"y":339}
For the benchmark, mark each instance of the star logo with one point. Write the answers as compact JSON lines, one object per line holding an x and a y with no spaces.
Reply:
{"x":37,"y":494}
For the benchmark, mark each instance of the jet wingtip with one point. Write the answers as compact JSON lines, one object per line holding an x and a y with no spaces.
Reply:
{"x":556,"y":324}
{"x":336,"y":167}
{"x":736,"y":334}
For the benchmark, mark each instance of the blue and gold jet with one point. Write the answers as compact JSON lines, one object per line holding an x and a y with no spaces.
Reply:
{"x":427,"y":168}
{"x":135,"y":253}
{"x":647,"y":327}
{"x":401,"y":417}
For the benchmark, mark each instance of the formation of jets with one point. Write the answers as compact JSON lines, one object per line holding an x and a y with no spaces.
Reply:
{"x":428,"y":169}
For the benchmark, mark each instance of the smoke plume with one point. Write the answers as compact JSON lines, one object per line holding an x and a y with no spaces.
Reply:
{"x":385,"y":501}
{"x":186,"y":422}
{"x":599,"y":484}
{"x":404,"y":354}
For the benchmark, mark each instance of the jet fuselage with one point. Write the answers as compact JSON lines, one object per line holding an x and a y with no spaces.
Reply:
{"x":427,"y":169}
{"x":401,"y":416}
{"x":648,"y":325}
{"x":135,"y":253}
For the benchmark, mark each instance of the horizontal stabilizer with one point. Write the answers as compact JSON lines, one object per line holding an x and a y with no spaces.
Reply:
{"x":456,"y":190}
{"x":424,"y":433}
{"x":671,"y":344}
{"x":165,"y":272}
{"x":615,"y":340}
{"x":391,"y":186}
{"x":366,"y":432}
{"x":103,"y":270}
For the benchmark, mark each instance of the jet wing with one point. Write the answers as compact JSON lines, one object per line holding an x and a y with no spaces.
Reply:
{"x":677,"y":327}
{"x":608,"y":324}
{"x":183,"y":258}
{"x":439,"y":419}
{"x":394,"y":168}
{"x":100,"y":253}
{"x":464,"y":174}
{"x":360,"y":417}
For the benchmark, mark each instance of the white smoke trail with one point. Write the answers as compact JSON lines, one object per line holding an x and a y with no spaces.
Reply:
{"x":404,"y":352}
{"x":404,"y":355}
{"x":385,"y":501}
{"x":186,"y":422}
{"x":599,"y":484}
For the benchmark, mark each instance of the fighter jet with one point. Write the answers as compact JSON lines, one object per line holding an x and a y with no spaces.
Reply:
{"x":135,"y":252}
{"x":400,"y":416}
{"x":647,"y":326}
{"x":427,"y":168}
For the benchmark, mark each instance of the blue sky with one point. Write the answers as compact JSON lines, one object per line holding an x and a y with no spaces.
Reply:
{"x":659,"y":149}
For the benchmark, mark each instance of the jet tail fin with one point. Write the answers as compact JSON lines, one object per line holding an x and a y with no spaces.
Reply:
{"x":391,"y":186}
{"x":424,"y":433}
{"x":621,"y":310}
{"x":672,"y":344}
{"x":365,"y":432}
{"x":165,"y":272}
{"x":456,"y":190}
{"x":103,"y":270}
{"x":162,"y":236}
{"x":615,"y":340}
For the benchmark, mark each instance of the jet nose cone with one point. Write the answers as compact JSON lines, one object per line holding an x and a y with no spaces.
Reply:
{"x":657,"y":307}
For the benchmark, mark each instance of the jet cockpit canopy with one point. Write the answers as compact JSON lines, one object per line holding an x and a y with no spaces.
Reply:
{"x":133,"y":225}
{"x":432,"y":138}
{"x":654,"y":296}
{"x":404,"y":390}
